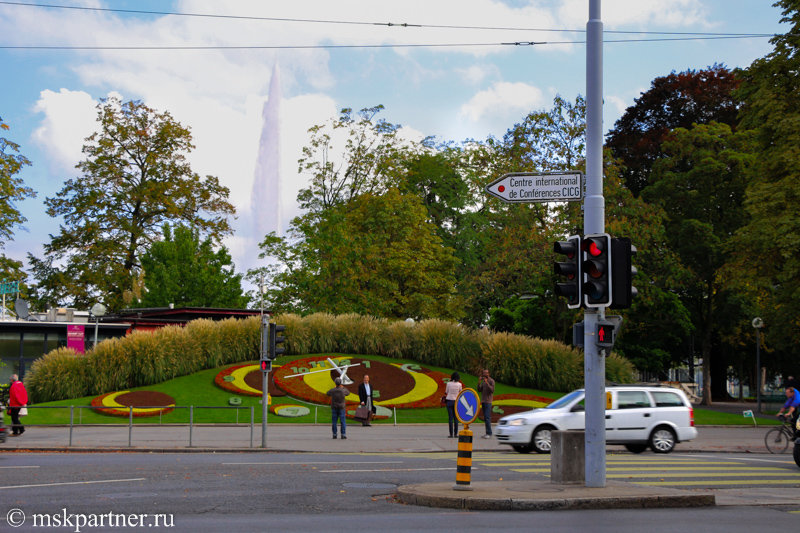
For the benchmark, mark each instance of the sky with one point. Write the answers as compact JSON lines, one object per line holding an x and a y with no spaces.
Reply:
{"x":445,"y":74}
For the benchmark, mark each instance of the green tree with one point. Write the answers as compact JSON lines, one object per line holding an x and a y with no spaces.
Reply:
{"x":375,"y":255}
{"x":700,"y":184}
{"x":765,"y":248}
{"x":12,"y":190}
{"x":677,"y":100}
{"x":184,"y":271}
{"x":135,"y":178}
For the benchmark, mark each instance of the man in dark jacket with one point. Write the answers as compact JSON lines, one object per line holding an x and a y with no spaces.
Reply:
{"x":338,"y":406}
{"x":486,"y":388}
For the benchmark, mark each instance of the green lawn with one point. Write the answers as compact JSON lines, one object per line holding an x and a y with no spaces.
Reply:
{"x":211,"y":405}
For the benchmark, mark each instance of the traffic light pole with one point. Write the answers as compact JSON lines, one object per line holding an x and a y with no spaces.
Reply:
{"x":594,"y":222}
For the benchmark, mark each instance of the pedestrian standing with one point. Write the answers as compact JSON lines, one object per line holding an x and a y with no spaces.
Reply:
{"x":451,"y":391}
{"x":338,"y":406}
{"x":365,"y":396}
{"x":17,"y":399}
{"x":486,"y":388}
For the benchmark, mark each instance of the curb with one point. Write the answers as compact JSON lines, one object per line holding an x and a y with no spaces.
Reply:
{"x":544,"y":496}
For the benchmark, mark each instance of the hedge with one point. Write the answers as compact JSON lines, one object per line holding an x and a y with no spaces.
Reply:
{"x":149,"y":357}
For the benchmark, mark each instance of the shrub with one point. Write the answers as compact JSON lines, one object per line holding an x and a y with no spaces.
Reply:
{"x":149,"y":357}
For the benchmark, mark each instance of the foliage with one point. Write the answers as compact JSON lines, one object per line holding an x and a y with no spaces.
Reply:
{"x":147,"y":358}
{"x":135,"y":179}
{"x":700,"y":184}
{"x":12,"y":188}
{"x":673,"y":101}
{"x":184,"y":271}
{"x":375,"y":255}
{"x":765,"y":268}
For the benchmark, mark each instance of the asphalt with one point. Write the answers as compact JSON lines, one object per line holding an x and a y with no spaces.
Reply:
{"x":534,"y":494}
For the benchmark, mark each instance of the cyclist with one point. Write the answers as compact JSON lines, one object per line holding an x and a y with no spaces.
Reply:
{"x":792,"y":406}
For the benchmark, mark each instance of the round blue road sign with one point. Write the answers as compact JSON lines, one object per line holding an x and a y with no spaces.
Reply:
{"x":467,"y":405}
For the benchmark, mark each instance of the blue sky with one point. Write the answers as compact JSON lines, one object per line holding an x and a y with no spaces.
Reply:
{"x":451,"y":92}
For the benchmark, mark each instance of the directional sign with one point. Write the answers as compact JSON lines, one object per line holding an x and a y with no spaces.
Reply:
{"x":526,"y":187}
{"x":467,"y":404}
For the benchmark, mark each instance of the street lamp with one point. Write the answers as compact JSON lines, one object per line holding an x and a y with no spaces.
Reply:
{"x":758,"y":324}
{"x":97,"y":311}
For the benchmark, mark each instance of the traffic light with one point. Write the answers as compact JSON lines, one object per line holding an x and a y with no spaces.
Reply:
{"x":596,"y":267}
{"x":606,"y":331}
{"x":605,"y":334}
{"x":570,"y":268}
{"x":273,"y":349}
{"x":622,"y":252}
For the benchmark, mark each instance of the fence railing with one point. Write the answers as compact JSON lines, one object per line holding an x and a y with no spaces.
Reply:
{"x":75,"y":418}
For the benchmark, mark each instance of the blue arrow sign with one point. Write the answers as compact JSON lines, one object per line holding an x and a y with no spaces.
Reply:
{"x":467,"y":405}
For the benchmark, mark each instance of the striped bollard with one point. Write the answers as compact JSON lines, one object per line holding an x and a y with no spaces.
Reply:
{"x":464,"y":462}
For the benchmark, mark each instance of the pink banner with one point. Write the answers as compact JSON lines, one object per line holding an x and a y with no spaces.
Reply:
{"x":75,"y":337}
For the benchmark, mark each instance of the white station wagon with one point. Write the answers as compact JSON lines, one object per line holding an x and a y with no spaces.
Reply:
{"x":637,"y":417}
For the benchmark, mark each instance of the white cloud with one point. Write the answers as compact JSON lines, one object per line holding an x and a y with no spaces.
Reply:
{"x":503,"y":99}
{"x":69,"y":117}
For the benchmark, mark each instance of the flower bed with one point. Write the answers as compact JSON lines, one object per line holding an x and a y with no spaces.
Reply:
{"x":120,"y":403}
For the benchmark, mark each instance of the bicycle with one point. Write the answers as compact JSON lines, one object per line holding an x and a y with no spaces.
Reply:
{"x":777,"y":439}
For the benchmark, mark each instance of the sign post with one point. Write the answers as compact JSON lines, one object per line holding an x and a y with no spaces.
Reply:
{"x":467,"y":405}
{"x":528,"y":187}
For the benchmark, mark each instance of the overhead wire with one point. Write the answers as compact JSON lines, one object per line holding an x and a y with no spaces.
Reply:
{"x":679,"y":36}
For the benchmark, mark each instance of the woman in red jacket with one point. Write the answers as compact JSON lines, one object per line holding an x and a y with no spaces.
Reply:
{"x":17,"y":399}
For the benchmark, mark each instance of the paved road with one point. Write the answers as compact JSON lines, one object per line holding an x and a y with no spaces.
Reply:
{"x":204,"y":492}
{"x":317,"y":438}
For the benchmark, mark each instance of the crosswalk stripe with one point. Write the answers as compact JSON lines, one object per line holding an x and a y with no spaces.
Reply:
{"x":722,"y":482}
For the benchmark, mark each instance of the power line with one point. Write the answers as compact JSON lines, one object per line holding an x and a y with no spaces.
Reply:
{"x":354,"y":46}
{"x":362,"y":23}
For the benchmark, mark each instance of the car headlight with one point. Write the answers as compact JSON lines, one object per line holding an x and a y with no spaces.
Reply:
{"x":517,"y":422}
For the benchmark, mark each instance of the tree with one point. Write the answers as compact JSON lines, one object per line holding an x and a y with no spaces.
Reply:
{"x":673,"y":101}
{"x":700,"y":184}
{"x":374,"y":255}
{"x":12,"y":190}
{"x":367,"y":153}
{"x":765,"y":267}
{"x":135,"y":178}
{"x":184,"y":271}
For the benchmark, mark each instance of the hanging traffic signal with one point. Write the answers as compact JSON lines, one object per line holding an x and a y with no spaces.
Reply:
{"x":596,"y":266}
{"x":274,"y":349}
{"x":570,"y":269}
{"x":622,"y":252}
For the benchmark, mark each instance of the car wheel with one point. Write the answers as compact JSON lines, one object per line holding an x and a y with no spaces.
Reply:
{"x":662,"y":439}
{"x":796,"y":452}
{"x":636,"y":448}
{"x":522,"y":448}
{"x":542,"y":439}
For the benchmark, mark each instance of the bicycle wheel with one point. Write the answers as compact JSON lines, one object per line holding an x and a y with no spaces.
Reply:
{"x":776,"y":440}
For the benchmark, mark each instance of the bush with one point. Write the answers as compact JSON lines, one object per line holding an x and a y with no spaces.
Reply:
{"x":149,"y":357}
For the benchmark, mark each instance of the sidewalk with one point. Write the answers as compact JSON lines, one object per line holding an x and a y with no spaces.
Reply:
{"x":533,"y":494}
{"x":379,"y":438}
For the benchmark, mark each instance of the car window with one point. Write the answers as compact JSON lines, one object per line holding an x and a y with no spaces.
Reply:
{"x":565,"y":400}
{"x":632,"y":399}
{"x":667,"y":399}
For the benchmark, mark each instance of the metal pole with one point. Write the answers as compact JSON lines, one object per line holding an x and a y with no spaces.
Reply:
{"x":71,"y":420}
{"x":758,"y":370}
{"x":191,"y":423}
{"x":252,"y":423}
{"x":264,"y":408}
{"x":130,"y":425}
{"x":96,"y":320}
{"x":594,"y":222}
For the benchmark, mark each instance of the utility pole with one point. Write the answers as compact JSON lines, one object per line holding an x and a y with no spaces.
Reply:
{"x":594,"y":223}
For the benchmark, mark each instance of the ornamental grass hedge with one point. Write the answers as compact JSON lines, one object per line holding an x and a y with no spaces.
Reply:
{"x":149,"y":357}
